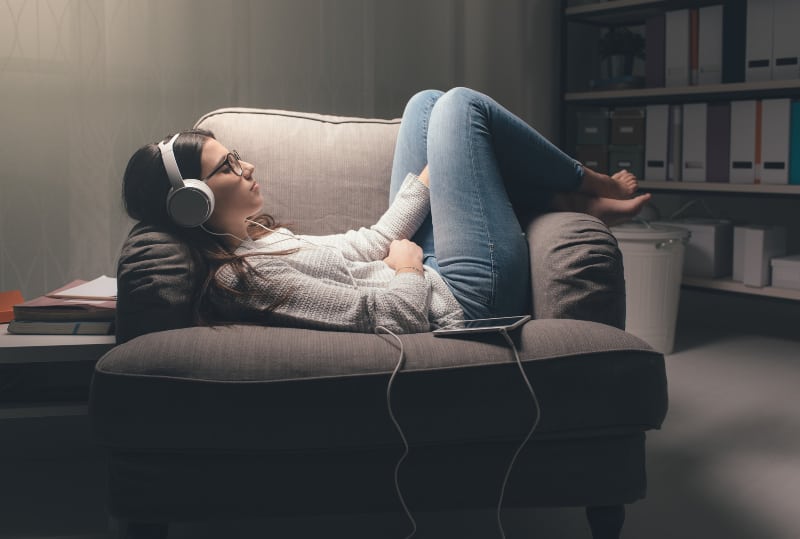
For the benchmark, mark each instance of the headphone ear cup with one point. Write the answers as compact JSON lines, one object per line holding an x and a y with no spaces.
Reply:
{"x":192,"y":204}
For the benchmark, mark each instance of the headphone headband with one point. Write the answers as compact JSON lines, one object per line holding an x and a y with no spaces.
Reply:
{"x":170,"y":163}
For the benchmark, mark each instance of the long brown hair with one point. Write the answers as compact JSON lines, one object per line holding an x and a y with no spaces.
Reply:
{"x":145,"y":186}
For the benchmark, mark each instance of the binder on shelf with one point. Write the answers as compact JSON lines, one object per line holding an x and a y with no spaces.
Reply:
{"x":734,"y":27}
{"x":718,"y":141}
{"x":654,"y":51}
{"x":656,"y":142}
{"x":675,"y":145}
{"x":694,"y":142}
{"x":743,"y":142}
{"x":694,"y":34}
{"x":786,"y":40}
{"x":759,"y":44}
{"x":775,"y":127}
{"x":676,"y":53}
{"x":709,"y":47}
{"x":794,"y":141}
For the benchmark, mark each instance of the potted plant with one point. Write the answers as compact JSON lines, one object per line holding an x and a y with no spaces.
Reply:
{"x":618,"y":48}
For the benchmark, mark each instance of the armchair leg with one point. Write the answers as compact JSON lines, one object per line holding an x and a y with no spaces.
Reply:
{"x":606,"y":522}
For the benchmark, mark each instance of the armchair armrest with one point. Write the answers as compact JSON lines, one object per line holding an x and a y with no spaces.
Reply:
{"x":576,"y":269}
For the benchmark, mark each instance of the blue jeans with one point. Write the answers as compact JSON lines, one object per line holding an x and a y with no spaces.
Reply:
{"x":481,"y":157}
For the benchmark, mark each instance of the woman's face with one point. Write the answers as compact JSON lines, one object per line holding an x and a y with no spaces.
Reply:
{"x":235,"y":197}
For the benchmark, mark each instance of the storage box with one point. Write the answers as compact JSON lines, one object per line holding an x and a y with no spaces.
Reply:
{"x":753,"y":248}
{"x":593,"y":127}
{"x":595,"y":157}
{"x":630,"y":158}
{"x":627,"y":127}
{"x":786,"y":272}
{"x":709,"y":252}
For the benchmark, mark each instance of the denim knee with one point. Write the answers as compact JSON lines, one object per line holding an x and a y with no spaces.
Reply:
{"x":421,"y":101}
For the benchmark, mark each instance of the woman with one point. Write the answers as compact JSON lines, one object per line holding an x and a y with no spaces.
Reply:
{"x":450,"y":246}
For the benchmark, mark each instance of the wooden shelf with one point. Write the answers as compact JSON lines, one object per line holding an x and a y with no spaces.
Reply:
{"x":628,"y":12}
{"x":712,"y":187}
{"x":709,"y":92}
{"x":728,"y":285}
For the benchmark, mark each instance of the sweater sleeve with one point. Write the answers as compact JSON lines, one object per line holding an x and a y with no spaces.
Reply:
{"x":279,"y":294}
{"x":400,"y":221}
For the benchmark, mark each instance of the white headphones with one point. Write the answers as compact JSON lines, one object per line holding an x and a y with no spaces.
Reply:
{"x":189,"y":202}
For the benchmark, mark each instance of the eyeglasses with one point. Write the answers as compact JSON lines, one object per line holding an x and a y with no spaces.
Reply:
{"x":232,"y":160}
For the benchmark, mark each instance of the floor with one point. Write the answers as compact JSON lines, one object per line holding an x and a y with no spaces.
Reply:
{"x":725,"y":465}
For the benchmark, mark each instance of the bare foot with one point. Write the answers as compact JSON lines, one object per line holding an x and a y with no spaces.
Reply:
{"x":614,"y":212}
{"x":620,"y":186}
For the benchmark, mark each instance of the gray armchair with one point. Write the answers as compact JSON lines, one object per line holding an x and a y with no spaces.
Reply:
{"x":245,"y":420}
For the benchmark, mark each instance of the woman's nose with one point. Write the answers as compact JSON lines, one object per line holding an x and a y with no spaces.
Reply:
{"x":247,"y":170}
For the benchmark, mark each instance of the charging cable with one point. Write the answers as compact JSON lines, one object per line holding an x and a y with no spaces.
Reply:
{"x":397,"y":368}
{"x":527,"y":438}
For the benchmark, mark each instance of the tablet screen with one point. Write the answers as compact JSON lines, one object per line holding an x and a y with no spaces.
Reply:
{"x":483,"y":325}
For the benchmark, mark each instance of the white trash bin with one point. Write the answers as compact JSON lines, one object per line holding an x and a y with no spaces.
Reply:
{"x":653,"y":259}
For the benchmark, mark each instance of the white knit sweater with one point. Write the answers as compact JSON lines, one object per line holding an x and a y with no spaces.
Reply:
{"x":340,"y":282}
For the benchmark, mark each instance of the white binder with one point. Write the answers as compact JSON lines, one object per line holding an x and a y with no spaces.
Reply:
{"x":676,"y":50}
{"x":758,"y":58}
{"x":695,"y":122}
{"x":743,"y":142}
{"x":656,"y":142}
{"x":675,"y":147}
{"x":775,"y":125}
{"x":786,"y":40}
{"x":709,"y":45}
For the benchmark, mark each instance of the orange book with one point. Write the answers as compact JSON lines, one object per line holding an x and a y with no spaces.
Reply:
{"x":694,"y":45}
{"x":7,"y":302}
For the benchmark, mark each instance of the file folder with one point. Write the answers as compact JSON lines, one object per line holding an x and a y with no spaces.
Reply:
{"x":674,"y":150}
{"x":656,"y":142}
{"x":718,"y":142}
{"x":759,"y":44}
{"x":710,"y":45}
{"x":694,"y":142}
{"x":743,"y":142}
{"x":734,"y":27}
{"x":676,"y":55}
{"x":775,"y":127}
{"x":786,"y":39}
{"x":654,"y":51}
{"x":794,"y":142}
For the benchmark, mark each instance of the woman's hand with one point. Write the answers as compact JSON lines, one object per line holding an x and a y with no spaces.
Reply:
{"x":404,"y":255}
{"x":425,"y":176}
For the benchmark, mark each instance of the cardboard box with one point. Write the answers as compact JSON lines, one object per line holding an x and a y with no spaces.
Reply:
{"x":594,"y":157}
{"x":754,"y":246}
{"x":786,"y":272}
{"x":709,"y":252}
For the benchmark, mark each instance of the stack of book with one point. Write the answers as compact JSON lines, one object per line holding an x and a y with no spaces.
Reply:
{"x":78,"y":308}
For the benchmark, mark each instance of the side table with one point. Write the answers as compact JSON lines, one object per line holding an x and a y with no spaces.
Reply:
{"x":47,"y":349}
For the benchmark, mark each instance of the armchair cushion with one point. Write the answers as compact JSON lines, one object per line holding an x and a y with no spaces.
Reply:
{"x":259,"y":388}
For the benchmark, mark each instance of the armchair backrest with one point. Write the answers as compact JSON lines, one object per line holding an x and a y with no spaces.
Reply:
{"x":319,"y":174}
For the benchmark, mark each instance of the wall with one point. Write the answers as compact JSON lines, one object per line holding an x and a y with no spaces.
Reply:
{"x":84,"y":83}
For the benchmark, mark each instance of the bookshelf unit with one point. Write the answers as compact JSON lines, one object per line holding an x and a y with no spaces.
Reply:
{"x":581,"y":26}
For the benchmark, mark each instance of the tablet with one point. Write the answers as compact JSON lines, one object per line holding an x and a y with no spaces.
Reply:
{"x":481,"y":325}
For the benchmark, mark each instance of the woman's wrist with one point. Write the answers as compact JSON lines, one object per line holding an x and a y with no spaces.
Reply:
{"x":409,"y":269}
